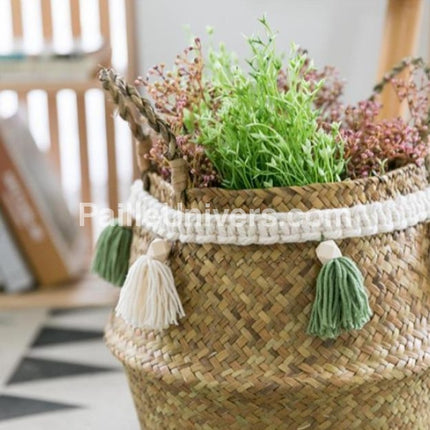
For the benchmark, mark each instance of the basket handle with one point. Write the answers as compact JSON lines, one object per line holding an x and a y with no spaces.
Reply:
{"x":132,"y":107}
{"x":399,"y":68}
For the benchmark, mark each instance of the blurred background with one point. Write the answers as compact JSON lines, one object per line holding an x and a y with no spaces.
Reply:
{"x":68,"y":147}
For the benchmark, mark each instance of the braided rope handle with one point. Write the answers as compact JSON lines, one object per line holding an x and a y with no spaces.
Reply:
{"x":417,"y":62}
{"x":399,"y":68}
{"x":124,"y":95}
{"x":132,"y":107}
{"x":110,"y":84}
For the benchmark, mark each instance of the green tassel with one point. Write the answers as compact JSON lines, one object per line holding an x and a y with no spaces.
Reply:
{"x":112,"y":253}
{"x":341,"y":302}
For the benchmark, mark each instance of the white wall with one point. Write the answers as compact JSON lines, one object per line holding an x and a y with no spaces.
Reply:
{"x":344,"y":33}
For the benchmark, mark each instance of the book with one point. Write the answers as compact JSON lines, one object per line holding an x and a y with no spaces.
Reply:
{"x":50,"y":66}
{"x":32,"y":201}
{"x":2,"y":281}
{"x":15,"y":275}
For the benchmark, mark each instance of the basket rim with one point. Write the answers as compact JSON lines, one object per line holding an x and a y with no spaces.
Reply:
{"x":347,"y":193}
{"x":392,"y":175}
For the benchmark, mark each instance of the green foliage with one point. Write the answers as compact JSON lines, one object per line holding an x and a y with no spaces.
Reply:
{"x":258,"y":136}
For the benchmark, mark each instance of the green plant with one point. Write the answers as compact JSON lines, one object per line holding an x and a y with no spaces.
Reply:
{"x":260,"y":136}
{"x":281,"y":124}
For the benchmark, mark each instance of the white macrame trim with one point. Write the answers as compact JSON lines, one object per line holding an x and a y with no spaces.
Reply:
{"x":278,"y":227}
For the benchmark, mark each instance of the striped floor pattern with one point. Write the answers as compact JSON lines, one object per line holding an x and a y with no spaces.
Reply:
{"x":56,"y":373}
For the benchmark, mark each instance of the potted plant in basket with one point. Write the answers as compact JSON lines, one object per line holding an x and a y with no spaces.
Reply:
{"x":279,"y":272}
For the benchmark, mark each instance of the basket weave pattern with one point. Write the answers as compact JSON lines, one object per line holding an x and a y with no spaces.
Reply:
{"x":241,"y":357}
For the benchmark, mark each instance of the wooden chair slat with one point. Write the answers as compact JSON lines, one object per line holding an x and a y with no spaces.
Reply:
{"x":400,"y":39}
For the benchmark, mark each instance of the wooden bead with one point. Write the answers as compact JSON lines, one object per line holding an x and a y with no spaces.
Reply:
{"x":327,"y":250}
{"x":159,"y":249}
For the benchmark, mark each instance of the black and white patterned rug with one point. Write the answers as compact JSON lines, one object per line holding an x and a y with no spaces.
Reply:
{"x":56,"y":373}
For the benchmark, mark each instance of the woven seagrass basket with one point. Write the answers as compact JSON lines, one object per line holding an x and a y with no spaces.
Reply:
{"x":241,"y":357}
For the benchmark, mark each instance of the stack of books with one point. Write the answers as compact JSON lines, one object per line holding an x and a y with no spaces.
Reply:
{"x":41,"y":243}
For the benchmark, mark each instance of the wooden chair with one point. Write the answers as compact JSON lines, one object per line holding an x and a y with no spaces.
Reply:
{"x":80,"y":88}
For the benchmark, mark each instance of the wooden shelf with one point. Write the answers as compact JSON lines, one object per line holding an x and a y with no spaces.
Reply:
{"x":89,"y":291}
{"x":49,"y":86}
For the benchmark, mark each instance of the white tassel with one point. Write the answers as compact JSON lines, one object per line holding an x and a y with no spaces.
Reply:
{"x":149,"y":298}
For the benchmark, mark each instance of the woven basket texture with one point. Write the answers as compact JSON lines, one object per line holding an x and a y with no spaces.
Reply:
{"x":241,"y":357}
